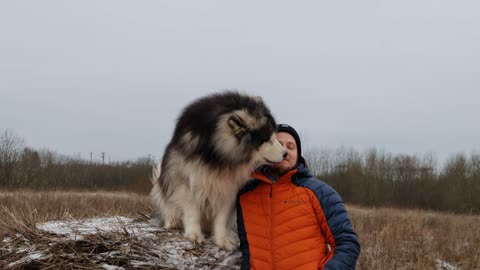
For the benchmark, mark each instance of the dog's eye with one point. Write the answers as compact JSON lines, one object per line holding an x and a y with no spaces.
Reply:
{"x":264,"y":138}
{"x":260,"y":139}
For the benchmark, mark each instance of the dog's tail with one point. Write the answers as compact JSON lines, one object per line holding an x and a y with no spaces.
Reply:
{"x":156,"y":197}
{"x":156,"y":170}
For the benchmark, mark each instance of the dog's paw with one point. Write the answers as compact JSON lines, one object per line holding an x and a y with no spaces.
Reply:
{"x":196,"y":237}
{"x":227,"y":242}
{"x":171,"y":223}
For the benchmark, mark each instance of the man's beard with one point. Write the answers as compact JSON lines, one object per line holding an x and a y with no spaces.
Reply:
{"x":274,"y":169}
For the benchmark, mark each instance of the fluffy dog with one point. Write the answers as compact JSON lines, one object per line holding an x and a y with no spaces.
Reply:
{"x":218,"y":141}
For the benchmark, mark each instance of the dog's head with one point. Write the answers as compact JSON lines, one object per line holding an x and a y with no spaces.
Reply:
{"x":248,"y":135}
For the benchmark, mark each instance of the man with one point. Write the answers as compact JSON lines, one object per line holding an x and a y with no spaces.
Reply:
{"x":289,"y":220}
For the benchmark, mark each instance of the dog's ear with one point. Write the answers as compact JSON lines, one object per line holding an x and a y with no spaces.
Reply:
{"x":257,"y":99}
{"x":237,"y":124}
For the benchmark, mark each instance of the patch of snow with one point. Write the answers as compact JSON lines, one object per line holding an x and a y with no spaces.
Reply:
{"x":7,"y":240}
{"x":30,"y":257}
{"x":75,"y":229}
{"x":35,"y":256}
{"x":443,"y":265}
{"x":112,"y":267}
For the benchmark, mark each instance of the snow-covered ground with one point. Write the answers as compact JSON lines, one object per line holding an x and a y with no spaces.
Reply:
{"x":443,"y":265}
{"x":115,"y":243}
{"x":76,"y":229}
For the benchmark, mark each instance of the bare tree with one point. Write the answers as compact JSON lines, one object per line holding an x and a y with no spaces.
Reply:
{"x":11,"y":146}
{"x":29,"y":167}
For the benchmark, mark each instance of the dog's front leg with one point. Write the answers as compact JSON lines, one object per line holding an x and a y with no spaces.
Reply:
{"x":223,"y":231}
{"x":191,"y":222}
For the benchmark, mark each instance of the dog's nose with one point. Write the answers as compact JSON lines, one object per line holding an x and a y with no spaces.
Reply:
{"x":285,"y":154}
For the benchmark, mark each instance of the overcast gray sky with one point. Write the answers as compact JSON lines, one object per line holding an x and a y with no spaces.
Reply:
{"x":112,"y":76}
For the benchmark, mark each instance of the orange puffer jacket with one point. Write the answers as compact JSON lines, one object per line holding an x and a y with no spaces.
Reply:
{"x":297,"y":222}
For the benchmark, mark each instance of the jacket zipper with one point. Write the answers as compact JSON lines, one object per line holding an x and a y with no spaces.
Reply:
{"x":271,"y":226}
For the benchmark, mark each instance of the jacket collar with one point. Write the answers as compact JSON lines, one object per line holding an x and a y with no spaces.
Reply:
{"x":301,"y":170}
{"x":260,"y":175}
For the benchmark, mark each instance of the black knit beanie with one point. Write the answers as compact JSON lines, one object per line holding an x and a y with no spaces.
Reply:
{"x":290,"y":130}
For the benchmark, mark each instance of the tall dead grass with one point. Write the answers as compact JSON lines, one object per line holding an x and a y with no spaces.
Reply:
{"x":415,"y":239}
{"x":24,"y":208}
{"x":390,"y":238}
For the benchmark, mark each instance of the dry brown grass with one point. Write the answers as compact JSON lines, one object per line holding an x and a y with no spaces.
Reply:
{"x":415,"y":239}
{"x":390,"y":238}
{"x":30,"y":207}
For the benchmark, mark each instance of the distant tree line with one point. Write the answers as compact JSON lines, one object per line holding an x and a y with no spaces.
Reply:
{"x":371,"y":178}
{"x":377,"y":178}
{"x":25,"y":167}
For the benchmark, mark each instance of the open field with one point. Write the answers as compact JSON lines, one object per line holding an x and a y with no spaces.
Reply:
{"x":414,"y":239}
{"x":390,"y":238}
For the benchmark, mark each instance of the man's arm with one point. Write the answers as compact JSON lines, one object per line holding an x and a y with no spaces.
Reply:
{"x":333,"y":219}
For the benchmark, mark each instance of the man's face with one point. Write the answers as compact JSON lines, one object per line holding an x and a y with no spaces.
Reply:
{"x":290,"y":161}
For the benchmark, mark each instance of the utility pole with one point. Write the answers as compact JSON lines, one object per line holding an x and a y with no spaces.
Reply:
{"x":103,"y":157}
{"x":91,"y":158}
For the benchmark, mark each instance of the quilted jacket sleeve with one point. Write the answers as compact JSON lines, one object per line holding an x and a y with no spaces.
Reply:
{"x":336,"y":225}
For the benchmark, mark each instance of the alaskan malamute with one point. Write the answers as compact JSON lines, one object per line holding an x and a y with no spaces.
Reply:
{"x":218,"y":141}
